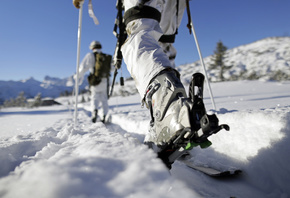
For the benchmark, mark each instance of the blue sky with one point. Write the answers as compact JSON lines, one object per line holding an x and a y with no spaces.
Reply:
{"x":39,"y":38}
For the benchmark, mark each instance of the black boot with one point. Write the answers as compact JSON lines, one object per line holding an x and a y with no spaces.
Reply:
{"x":95,"y":116}
{"x":104,"y":119}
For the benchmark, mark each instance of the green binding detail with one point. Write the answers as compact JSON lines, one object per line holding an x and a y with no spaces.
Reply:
{"x":190,"y":145}
{"x":205,"y":144}
{"x":202,"y":145}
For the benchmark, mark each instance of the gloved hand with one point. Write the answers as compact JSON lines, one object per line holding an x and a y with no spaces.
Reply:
{"x":77,"y":3}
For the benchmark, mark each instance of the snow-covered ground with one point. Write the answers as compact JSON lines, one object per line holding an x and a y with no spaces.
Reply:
{"x":42,"y":154}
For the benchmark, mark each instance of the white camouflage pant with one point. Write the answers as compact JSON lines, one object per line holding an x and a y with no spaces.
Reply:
{"x":99,"y":98}
{"x":144,"y":56}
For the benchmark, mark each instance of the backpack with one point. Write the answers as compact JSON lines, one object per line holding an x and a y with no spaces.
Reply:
{"x":102,"y":68}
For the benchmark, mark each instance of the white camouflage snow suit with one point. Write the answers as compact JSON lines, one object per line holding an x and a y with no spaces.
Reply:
{"x":99,"y":93}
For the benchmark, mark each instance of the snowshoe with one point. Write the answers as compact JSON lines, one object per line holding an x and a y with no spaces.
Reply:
{"x":178,"y":123}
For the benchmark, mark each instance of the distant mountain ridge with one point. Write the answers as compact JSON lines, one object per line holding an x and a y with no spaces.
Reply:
{"x":266,"y":59}
{"x":49,"y":87}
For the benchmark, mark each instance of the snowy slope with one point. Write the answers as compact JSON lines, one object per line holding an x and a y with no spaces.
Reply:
{"x":97,"y":160}
{"x":267,"y":59}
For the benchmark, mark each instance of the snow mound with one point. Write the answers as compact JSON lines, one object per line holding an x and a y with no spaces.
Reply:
{"x":91,"y":161}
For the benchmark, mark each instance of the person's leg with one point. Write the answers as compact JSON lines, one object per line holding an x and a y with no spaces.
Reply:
{"x":103,"y":98}
{"x":157,"y":82}
{"x":94,"y":103}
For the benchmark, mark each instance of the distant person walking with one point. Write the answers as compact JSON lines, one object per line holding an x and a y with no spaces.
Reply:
{"x":99,"y":65}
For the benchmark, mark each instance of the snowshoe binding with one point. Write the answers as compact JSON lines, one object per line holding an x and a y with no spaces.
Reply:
{"x":178,"y":123}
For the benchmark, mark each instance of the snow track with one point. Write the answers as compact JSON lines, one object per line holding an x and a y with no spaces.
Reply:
{"x":97,"y":160}
{"x":90,"y":161}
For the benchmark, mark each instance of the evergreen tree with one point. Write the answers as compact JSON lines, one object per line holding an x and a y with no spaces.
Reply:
{"x":9,"y":103}
{"x":20,"y":101}
{"x":37,"y":100}
{"x":218,"y":59}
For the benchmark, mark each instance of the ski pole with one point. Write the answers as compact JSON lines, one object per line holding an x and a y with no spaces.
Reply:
{"x":200,"y":56}
{"x":78,"y":63}
{"x":204,"y":69}
{"x":113,"y":82}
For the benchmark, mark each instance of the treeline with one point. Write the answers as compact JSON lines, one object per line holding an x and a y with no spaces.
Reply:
{"x":22,"y":101}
